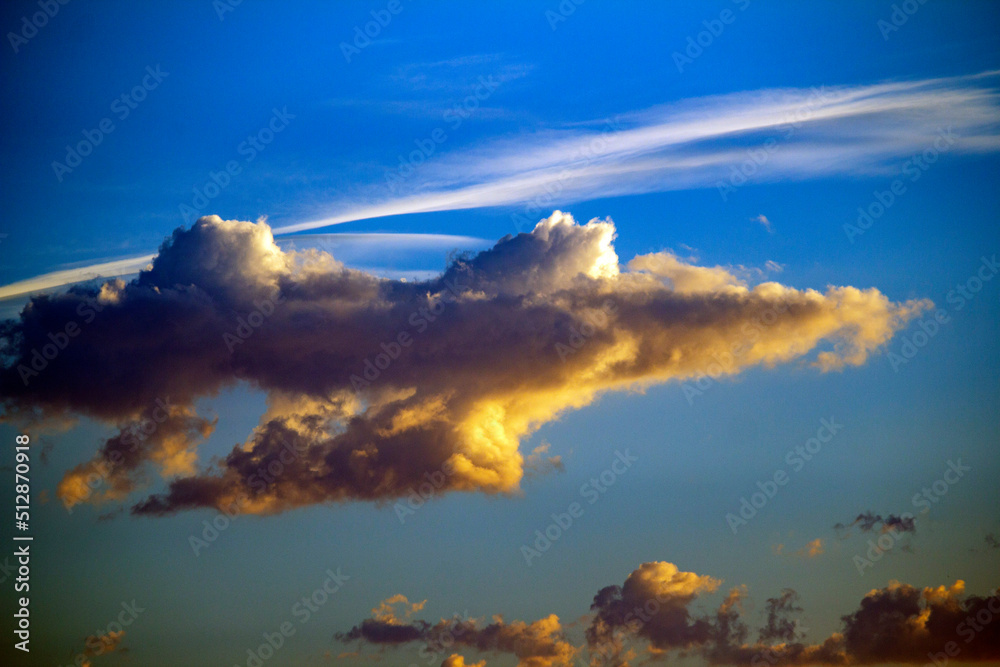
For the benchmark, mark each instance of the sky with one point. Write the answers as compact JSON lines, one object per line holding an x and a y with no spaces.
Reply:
{"x":536,"y":333}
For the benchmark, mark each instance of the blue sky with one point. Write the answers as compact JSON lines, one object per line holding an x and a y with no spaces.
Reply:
{"x":510,"y":99}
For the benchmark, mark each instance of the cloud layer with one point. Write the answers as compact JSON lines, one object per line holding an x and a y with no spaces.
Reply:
{"x":538,"y":644}
{"x":651,"y":617}
{"x":376,"y":386}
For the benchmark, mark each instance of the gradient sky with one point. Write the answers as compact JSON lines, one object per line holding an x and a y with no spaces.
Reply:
{"x":541,"y":89}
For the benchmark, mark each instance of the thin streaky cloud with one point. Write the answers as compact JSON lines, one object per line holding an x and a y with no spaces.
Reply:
{"x":46,"y":281}
{"x":131,"y":266}
{"x":827,"y":131}
{"x":765,"y":223}
{"x":848,"y":131}
{"x":383,"y":239}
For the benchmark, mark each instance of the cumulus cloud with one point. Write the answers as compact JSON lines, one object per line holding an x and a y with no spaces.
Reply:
{"x":896,"y":624}
{"x":538,"y":644}
{"x":901,"y":623}
{"x":779,"y":627}
{"x":652,"y":604}
{"x":869,"y":521}
{"x":654,"y":607}
{"x":811,"y":549}
{"x":164,"y":434}
{"x":652,"y":617}
{"x":375,"y":386}
{"x":396,"y":609}
{"x":456,"y":660}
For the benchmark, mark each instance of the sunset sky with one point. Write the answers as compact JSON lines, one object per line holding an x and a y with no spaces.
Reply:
{"x":533,"y":333}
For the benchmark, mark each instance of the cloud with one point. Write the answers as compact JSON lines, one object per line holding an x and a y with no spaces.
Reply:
{"x":118,"y":267}
{"x":651,"y":604}
{"x":376,"y":386}
{"x":456,"y":660}
{"x":838,"y":130}
{"x":779,"y":627}
{"x":389,"y":610}
{"x":901,"y":623}
{"x":896,"y":624}
{"x":812,"y":549}
{"x":698,"y":143}
{"x":455,"y":76}
{"x":537,"y":644}
{"x":869,"y":521}
{"x":652,"y":618}
{"x":905,"y":524}
{"x":765,"y":223}
{"x":165,"y":435}
{"x":538,"y":462}
{"x":354,"y":248}
{"x":97,"y":645}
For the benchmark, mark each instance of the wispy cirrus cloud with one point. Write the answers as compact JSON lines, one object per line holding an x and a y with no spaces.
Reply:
{"x":428,"y":88}
{"x":357,"y":249}
{"x":696,"y":143}
{"x":118,"y":267}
